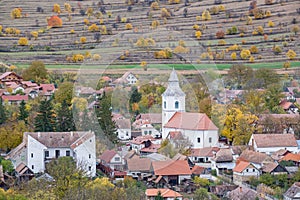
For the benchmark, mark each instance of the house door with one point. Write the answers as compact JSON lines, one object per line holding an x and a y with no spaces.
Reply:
{"x":57,"y":153}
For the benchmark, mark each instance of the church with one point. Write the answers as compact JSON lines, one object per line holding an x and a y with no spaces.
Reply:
{"x":197,"y":127}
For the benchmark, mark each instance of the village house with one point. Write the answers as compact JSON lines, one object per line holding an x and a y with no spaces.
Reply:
{"x":39,"y":148}
{"x":173,"y":172}
{"x":270,"y":143}
{"x":295,"y":158}
{"x":203,"y":155}
{"x":245,"y":193}
{"x":273,"y":169}
{"x":223,"y":161}
{"x":141,"y":142}
{"x":139,"y":168}
{"x":243,"y":171}
{"x":127,"y":79}
{"x":293,"y":192}
{"x":10,"y":77}
{"x":14,"y":99}
{"x":288,"y":106}
{"x":123,"y":128}
{"x":167,"y":194}
{"x":113,"y":160}
{"x":47,"y":90}
{"x":255,"y":158}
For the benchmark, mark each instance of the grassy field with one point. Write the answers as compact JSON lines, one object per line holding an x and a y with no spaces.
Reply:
{"x":277,"y":65}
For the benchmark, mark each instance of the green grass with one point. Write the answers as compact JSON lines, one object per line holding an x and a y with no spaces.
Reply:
{"x":277,"y":65}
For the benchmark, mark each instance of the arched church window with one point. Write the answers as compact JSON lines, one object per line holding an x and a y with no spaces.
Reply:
{"x":176,"y":104}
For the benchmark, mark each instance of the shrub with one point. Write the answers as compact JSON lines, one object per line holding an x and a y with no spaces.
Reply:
{"x":181,"y":49}
{"x":93,"y":28}
{"x":234,"y":48}
{"x":277,"y":49}
{"x":68,"y":7}
{"x":221,"y":7}
{"x":144,"y":65}
{"x":72,"y":31}
{"x":214,"y":10}
{"x":285,"y":44}
{"x":196,"y":27}
{"x":155,"y":5}
{"x":163,"y":54}
{"x":34,"y":34}
{"x":220,"y":34}
{"x":86,"y":21}
{"x":83,"y":40}
{"x":23,"y":41}
{"x":54,"y":21}
{"x":295,"y":29}
{"x":233,"y":30}
{"x":56,"y":8}
{"x":165,"y":13}
{"x":268,"y":13}
{"x":260,"y":30}
{"x":77,"y":58}
{"x":198,"y":18}
{"x":198,"y":34}
{"x":222,"y":42}
{"x":245,"y":54}
{"x":253,"y":49}
{"x":16,"y":13}
{"x":291,"y":54}
{"x":251,"y":59}
{"x":123,"y":20}
{"x":89,"y":12}
{"x":103,"y":30}
{"x":286,"y":65}
{"x":206,"y":15}
{"x":12,"y":31}
{"x":242,"y":34}
{"x":128,"y":26}
{"x":155,"y":24}
{"x":265,"y":37}
{"x":233,"y":56}
{"x":174,"y":1}
{"x":258,"y":13}
{"x":271,"y":23}
{"x":249,"y":20}
{"x":96,"y":57}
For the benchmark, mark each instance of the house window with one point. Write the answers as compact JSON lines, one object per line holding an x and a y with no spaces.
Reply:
{"x":165,"y":104}
{"x":176,"y":104}
{"x":90,"y":168}
{"x":31,"y":155}
{"x":253,"y":170}
{"x":150,"y":132}
{"x":198,"y":140}
{"x":90,"y":155}
{"x":247,"y":170}
{"x":126,"y":133}
{"x":57,"y":153}
{"x":90,"y":140}
{"x":209,"y":140}
{"x":67,"y":153}
{"x":117,"y":159}
{"x":46,"y":154}
{"x":32,"y":166}
{"x":146,"y":132}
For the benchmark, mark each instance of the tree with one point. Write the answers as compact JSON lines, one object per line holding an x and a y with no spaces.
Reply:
{"x":64,"y":93}
{"x":295,"y":29}
{"x":264,"y":77}
{"x":128,"y":26}
{"x":23,"y":41}
{"x":201,"y":194}
{"x":245,"y":54}
{"x":45,"y":119}
{"x":16,"y":13}
{"x":198,"y":34}
{"x":254,"y":101}
{"x":36,"y":71}
{"x":23,"y":113}
{"x":273,"y":97}
{"x":159,"y":196}
{"x":56,"y":8}
{"x":104,"y":114}
{"x":3,"y":113}
{"x":64,"y":119}
{"x":206,"y":15}
{"x":54,"y":22}
{"x":239,"y":75}
{"x":291,"y":54}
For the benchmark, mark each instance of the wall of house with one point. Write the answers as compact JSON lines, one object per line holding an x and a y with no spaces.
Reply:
{"x":117,"y":162}
{"x":62,"y":152}
{"x":20,"y":158}
{"x":182,"y":177}
{"x":124,"y":134}
{"x":85,"y":155}
{"x":131,"y":79}
{"x":271,"y":150}
{"x":148,"y":129}
{"x":208,"y":138}
{"x":35,"y":155}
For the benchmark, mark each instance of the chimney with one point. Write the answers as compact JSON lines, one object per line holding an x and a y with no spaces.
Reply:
{"x":241,"y":189}
{"x":71,"y":133}
{"x":39,"y":134}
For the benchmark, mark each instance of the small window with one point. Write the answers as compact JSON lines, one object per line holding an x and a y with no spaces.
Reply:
{"x":247,"y":170}
{"x":146,"y":132}
{"x":150,"y":132}
{"x":176,"y":104}
{"x":165,"y":104}
{"x":31,"y":155}
{"x":32,"y":166}
{"x":46,"y":154}
{"x":117,"y":159}
{"x":67,"y":153}
{"x":253,"y":170}
{"x":209,"y":140}
{"x":198,"y":140}
{"x":126,"y":133}
{"x":91,"y":140}
{"x":90,"y":155}
{"x":90,"y":168}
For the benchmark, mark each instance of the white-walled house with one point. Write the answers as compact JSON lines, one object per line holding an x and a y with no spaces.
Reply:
{"x":270,"y":143}
{"x":113,"y":160}
{"x":38,"y":148}
{"x":243,"y":171}
{"x":128,"y":78}
{"x":148,"y":129}
{"x":123,"y":128}
{"x":167,"y":194}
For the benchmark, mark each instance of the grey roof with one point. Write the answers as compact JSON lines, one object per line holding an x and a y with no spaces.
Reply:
{"x":293,"y":191}
{"x":123,"y":123}
{"x":173,"y":88}
{"x":157,"y":157}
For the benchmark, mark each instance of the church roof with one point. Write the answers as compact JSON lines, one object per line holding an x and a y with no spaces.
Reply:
{"x":190,"y":121}
{"x":173,"y":88}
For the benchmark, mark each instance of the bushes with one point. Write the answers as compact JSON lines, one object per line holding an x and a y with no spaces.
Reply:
{"x":277,"y":49}
{"x":145,"y":42}
{"x":233,"y":56}
{"x":206,"y":15}
{"x":291,"y":54}
{"x":174,"y":1}
{"x":96,"y":57}
{"x":220,"y":34}
{"x":253,"y":49}
{"x":12,"y":31}
{"x":222,"y":42}
{"x":295,"y":29}
{"x":103,"y":30}
{"x":16,"y":13}
{"x":83,"y":40}
{"x":56,"y":8}
{"x":23,"y":41}
{"x":260,"y":30}
{"x":181,"y":49}
{"x":245,"y":54}
{"x":214,"y":10}
{"x":155,"y":24}
{"x":128,"y":26}
{"x":155,"y":5}
{"x":196,"y":27}
{"x":77,"y":58}
{"x":163,"y":54}
{"x":93,"y":28}
{"x":34,"y":34}
{"x":249,"y":20}
{"x":54,"y":21}
{"x":233,"y":30}
{"x":198,"y":34}
{"x":165,"y":13}
{"x":286,"y":65}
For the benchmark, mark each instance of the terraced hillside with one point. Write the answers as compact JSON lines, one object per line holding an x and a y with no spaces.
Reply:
{"x":228,"y":32}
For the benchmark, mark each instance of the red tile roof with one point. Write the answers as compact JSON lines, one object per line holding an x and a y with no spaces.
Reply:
{"x":191,"y":121}
{"x":241,"y":166}
{"x":197,"y":170}
{"x":171,"y":167}
{"x":108,"y":155}
{"x":15,"y":97}
{"x":165,"y":193}
{"x":275,"y":140}
{"x":255,"y":157}
{"x":204,"y":152}
{"x":141,"y":139}
{"x":292,"y":157}
{"x":285,"y":104}
{"x":153,"y":148}
{"x":139,"y":164}
{"x":2,"y":76}
{"x":47,"y":87}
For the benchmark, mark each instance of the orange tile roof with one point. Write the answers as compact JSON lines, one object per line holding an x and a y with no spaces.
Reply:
{"x":171,"y":167}
{"x":241,"y":166}
{"x":275,"y":140}
{"x":286,"y":104}
{"x":191,"y":121}
{"x":166,"y":193}
{"x":292,"y":157}
{"x":108,"y":155}
{"x":198,"y":170}
{"x":204,"y":152}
